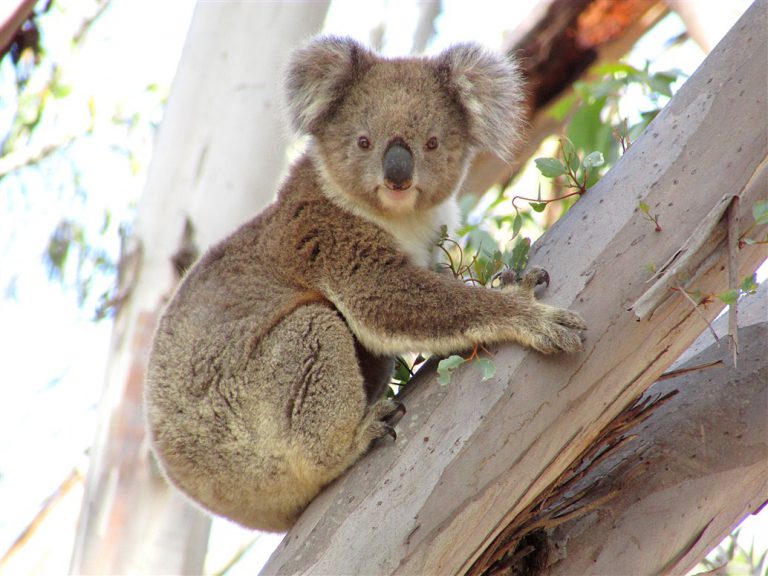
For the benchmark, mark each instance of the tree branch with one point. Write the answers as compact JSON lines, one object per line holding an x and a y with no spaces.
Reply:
{"x":471,"y":456}
{"x":13,"y":22}
{"x":705,"y":437}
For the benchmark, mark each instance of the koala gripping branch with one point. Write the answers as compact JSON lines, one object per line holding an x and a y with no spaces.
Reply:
{"x":471,"y":456}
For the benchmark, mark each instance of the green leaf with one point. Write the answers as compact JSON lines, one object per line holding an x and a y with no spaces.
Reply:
{"x":594,"y":159}
{"x":615,"y":68}
{"x":445,"y":368}
{"x":561,"y":108}
{"x":569,"y":151}
{"x":550,"y":167}
{"x":538,"y":206}
{"x":60,"y":90}
{"x":487,"y":368}
{"x":749,"y":285}
{"x":644,"y":208}
{"x":587,"y":127}
{"x":729,"y":296}
{"x":480,"y":240}
{"x":609,"y":87}
{"x":760,"y":212}
{"x":517,"y":224}
{"x":518,"y":259}
{"x":661,"y":83}
{"x":402,"y":374}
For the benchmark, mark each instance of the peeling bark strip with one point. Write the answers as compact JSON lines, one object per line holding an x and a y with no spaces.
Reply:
{"x":733,"y":276}
{"x":471,"y":456}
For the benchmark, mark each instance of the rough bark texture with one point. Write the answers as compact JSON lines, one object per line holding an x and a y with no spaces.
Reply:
{"x":471,"y":456}
{"x":213,"y":168}
{"x":660,"y":463}
{"x":693,"y":470}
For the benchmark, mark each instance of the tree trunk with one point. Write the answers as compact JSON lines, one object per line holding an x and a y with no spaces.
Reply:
{"x":472,"y":456}
{"x":707,"y":22}
{"x":219,"y":155}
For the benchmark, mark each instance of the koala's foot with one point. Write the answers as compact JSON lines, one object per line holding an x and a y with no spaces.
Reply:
{"x":380,"y":420}
{"x":557,"y":330}
{"x":532,"y":278}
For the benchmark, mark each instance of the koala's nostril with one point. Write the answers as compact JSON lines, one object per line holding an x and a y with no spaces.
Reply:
{"x":398,"y":167}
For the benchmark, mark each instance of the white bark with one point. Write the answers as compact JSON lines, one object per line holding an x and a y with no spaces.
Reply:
{"x":219,"y":155}
{"x":708,"y":22}
{"x":472,"y":455}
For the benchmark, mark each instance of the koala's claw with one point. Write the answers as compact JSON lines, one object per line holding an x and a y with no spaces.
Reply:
{"x":528,"y":282}
{"x":382,"y":418}
{"x":390,"y":430}
{"x":396,"y":414}
{"x":533,"y":278}
{"x":507,"y":277}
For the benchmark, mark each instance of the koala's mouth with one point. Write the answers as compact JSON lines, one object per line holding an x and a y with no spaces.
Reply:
{"x":397,"y":200}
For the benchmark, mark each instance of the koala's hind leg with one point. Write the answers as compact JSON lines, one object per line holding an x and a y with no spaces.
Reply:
{"x":331,"y":422}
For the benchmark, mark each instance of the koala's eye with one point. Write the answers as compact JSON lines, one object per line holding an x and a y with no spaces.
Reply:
{"x":432,"y":143}
{"x":363,"y":143}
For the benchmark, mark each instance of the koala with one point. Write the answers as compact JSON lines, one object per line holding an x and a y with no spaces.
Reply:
{"x":269,"y":365}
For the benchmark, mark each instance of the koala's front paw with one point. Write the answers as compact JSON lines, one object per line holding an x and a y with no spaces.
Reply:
{"x":558,"y":330}
{"x":552,"y":329}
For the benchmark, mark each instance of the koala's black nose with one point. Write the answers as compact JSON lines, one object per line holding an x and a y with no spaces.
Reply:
{"x":398,"y":167}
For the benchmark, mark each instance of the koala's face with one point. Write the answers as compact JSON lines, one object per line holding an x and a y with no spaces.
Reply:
{"x":396,"y":142}
{"x":396,"y":136}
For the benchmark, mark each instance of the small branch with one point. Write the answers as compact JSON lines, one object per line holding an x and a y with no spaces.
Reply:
{"x":545,"y":200}
{"x":13,"y":22}
{"x":85,"y":25}
{"x":681,"y":371}
{"x":687,"y":296}
{"x":28,"y":157}
{"x":74,"y":478}
{"x":708,"y":234}
{"x":733,"y":276}
{"x":237,"y":557}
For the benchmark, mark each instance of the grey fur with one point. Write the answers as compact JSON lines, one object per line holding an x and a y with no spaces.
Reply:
{"x":268,"y":368}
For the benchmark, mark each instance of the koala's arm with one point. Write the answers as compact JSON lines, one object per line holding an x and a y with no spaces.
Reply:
{"x":393,"y":306}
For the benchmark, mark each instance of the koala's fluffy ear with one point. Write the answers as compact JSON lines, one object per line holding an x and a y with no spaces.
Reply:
{"x":489,"y":87}
{"x":317,"y":77}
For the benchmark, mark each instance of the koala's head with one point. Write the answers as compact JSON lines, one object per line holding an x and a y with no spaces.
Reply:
{"x":397,"y":135}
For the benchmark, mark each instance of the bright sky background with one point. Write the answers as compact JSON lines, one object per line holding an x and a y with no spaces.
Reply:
{"x":53,"y":355}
